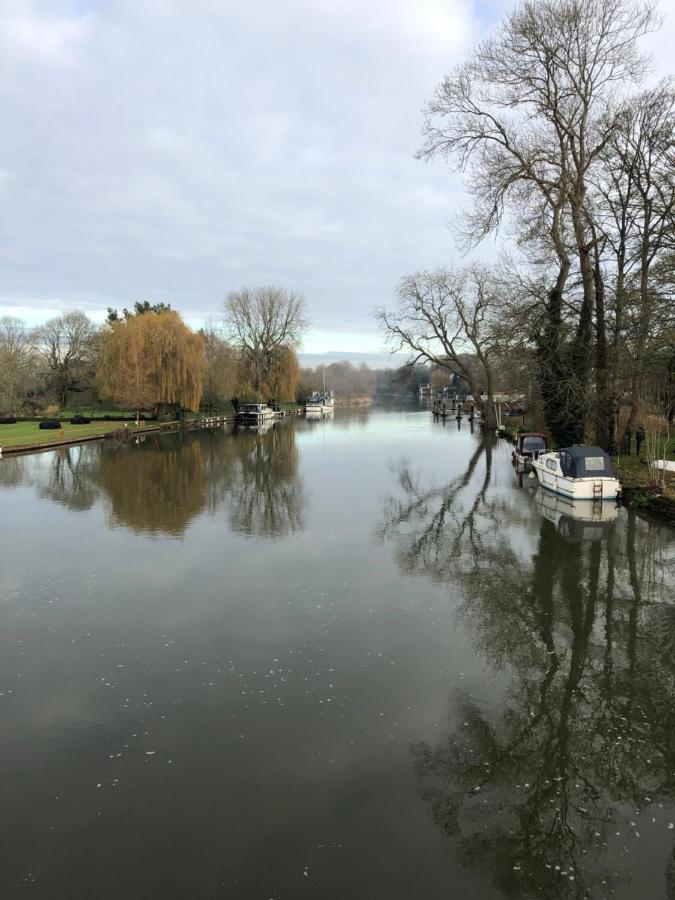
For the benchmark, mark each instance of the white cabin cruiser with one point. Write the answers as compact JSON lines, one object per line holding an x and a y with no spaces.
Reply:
{"x":254,"y":414}
{"x":579,"y":473}
{"x":320,"y":402}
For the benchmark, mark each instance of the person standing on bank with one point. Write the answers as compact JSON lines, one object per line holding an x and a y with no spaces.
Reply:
{"x":639,"y":437}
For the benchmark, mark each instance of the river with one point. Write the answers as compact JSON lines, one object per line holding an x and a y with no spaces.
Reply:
{"x":340,"y":659}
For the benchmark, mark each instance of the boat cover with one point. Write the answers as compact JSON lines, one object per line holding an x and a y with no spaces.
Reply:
{"x":585,"y":462}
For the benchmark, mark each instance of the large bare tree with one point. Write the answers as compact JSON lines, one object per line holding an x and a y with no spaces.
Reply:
{"x":68,"y":344}
{"x":17,"y":367}
{"x":527,"y":118}
{"x":636,"y":186}
{"x":259,"y":323}
{"x":447,"y":317}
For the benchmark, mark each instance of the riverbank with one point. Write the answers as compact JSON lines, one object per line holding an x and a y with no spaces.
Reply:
{"x":26,"y":437}
{"x":639,"y":492}
{"x":354,"y":401}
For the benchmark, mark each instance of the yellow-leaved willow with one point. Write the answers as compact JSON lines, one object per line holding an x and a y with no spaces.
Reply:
{"x":151,"y":360}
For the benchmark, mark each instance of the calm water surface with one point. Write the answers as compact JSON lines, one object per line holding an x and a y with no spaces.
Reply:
{"x":348,"y":659}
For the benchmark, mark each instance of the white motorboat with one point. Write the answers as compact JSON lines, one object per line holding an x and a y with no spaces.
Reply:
{"x":320,"y":402}
{"x":254,"y":414}
{"x":579,"y":473}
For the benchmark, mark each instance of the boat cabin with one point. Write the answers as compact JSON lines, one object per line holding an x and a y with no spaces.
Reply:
{"x":585,"y":462}
{"x":254,"y":408}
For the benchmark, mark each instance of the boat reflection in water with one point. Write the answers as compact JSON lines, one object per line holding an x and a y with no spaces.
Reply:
{"x":261,"y":427}
{"x":577,"y":520}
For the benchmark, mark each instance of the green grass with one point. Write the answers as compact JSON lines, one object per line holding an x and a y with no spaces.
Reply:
{"x":30,"y":433}
{"x":634,"y":473}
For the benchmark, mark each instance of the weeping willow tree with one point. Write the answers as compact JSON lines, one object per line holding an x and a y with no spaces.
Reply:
{"x":151,"y":361}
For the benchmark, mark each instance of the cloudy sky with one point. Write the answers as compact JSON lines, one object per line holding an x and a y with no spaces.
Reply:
{"x":179,"y":149}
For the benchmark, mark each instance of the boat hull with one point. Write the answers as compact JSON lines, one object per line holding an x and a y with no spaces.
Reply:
{"x":588,"y":488}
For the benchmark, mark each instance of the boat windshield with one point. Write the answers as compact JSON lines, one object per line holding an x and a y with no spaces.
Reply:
{"x":534,"y":443}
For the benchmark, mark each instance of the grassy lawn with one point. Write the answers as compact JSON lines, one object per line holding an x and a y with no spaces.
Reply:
{"x":635,"y":473}
{"x":30,"y":433}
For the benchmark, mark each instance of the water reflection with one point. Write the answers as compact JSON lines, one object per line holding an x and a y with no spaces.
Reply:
{"x":162,"y":483}
{"x":256,"y":475}
{"x":433,"y":525}
{"x":551,"y":793}
{"x":579,"y":520}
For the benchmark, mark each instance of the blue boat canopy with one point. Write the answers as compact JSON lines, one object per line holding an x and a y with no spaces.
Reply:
{"x":585,"y":462}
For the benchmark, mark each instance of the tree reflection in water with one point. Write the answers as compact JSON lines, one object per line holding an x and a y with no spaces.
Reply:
{"x":584,"y":741}
{"x":153,"y":487}
{"x":162,"y":483}
{"x":255,"y":474}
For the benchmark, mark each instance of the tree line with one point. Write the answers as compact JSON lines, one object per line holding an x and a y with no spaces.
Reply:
{"x":569,"y":154}
{"x":149,"y":358}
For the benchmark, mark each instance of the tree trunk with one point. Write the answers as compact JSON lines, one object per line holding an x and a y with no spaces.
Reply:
{"x":637,"y":381}
{"x":605,"y":425}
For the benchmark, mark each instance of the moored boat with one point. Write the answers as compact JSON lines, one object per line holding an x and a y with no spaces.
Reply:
{"x":254,"y":414}
{"x":528,"y":446}
{"x":320,"y":402}
{"x":580,"y":473}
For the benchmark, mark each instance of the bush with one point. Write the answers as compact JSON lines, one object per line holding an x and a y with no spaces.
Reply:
{"x":50,"y":423}
{"x":79,"y":420}
{"x":7,"y":420}
{"x":639,"y":500}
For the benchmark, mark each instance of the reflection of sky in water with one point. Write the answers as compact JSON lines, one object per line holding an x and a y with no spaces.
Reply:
{"x":262,"y":671}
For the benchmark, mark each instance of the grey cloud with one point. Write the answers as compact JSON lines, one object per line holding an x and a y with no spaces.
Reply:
{"x":179,"y":150}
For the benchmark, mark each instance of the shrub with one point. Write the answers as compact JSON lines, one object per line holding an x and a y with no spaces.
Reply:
{"x":639,"y":500}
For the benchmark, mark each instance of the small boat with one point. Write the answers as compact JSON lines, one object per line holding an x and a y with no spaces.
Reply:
{"x":580,"y":473}
{"x":529,"y":444}
{"x":254,"y":414}
{"x":320,"y":402}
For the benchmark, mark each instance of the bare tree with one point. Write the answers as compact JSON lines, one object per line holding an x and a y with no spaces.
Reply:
{"x":527,"y":117}
{"x":637,"y":190}
{"x":446,"y":317}
{"x":68,"y":345}
{"x":16,"y":363}
{"x":259,"y":322}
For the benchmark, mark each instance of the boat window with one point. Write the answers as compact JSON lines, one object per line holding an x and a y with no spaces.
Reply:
{"x":551,"y":464}
{"x":595,"y":464}
{"x":533,"y":443}
{"x":568,"y":465}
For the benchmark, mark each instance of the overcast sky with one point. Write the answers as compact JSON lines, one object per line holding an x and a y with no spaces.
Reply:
{"x":180,"y":149}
